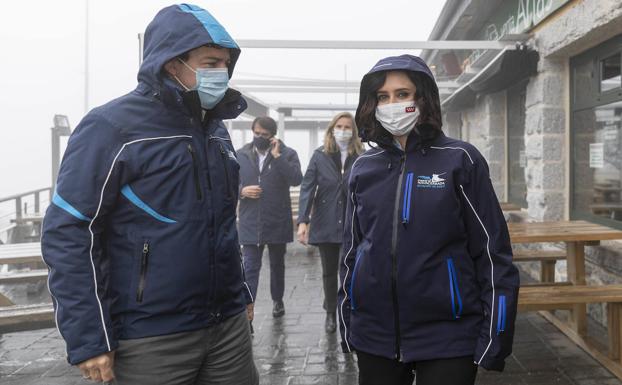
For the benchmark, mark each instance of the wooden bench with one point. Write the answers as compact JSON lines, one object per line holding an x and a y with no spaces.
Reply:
{"x":26,"y":317}
{"x":547,"y":259}
{"x":20,"y":253}
{"x":566,"y":296}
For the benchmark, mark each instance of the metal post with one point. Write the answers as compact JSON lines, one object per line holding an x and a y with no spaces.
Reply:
{"x":37,"y":203}
{"x":55,"y":157}
{"x":18,"y":208}
{"x":281,"y":125}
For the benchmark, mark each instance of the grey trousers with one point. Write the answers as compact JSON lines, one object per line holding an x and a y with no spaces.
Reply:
{"x":221,"y":354}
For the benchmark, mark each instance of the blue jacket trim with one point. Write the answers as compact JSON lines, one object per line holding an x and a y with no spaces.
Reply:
{"x":501,"y":315}
{"x":63,"y":204}
{"x":408,"y":188}
{"x":454,"y":289}
{"x":129,"y":194}
{"x":211,"y":25}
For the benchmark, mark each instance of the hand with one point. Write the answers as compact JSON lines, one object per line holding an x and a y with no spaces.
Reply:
{"x":303,"y":233}
{"x":275,"y":146}
{"x":250,"y":311}
{"x":252,"y":192}
{"x":98,"y":369}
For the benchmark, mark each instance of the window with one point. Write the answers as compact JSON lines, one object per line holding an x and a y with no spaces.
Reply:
{"x":610,"y":73}
{"x":596,"y":134}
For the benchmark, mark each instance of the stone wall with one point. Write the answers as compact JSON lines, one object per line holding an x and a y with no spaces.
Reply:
{"x":484,"y":127}
{"x":580,"y":26}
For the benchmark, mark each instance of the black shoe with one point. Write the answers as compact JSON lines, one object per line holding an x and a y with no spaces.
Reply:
{"x":331,"y":323}
{"x":278,"y":309}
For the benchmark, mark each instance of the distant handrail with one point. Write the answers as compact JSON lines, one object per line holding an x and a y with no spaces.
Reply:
{"x":21,"y":195}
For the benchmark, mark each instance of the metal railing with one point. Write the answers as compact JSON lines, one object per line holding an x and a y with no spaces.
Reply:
{"x":21,"y":207}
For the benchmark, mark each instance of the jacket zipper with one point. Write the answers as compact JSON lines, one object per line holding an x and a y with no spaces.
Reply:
{"x":223,"y":153}
{"x":501,"y":315}
{"x":456,"y":299}
{"x":195,"y":169}
{"x":396,"y":312}
{"x":144,"y":261}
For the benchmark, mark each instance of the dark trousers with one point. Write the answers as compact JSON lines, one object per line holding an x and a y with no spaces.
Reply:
{"x":329,"y":253}
{"x":374,"y":370}
{"x":252,"y":265}
{"x":219,"y":355}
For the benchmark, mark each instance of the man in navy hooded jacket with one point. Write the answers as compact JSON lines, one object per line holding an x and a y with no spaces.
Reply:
{"x":140,"y":239}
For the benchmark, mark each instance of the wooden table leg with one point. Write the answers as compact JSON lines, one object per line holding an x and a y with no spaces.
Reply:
{"x":614,"y":310}
{"x":576,"y":275}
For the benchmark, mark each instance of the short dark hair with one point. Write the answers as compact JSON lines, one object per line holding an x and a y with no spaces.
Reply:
{"x":266,"y":122}
{"x":428,"y":125}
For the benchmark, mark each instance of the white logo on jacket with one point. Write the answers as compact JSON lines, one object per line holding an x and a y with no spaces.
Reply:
{"x":434,"y":181}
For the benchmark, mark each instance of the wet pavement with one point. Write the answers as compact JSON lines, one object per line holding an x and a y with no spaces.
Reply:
{"x":296,"y":350}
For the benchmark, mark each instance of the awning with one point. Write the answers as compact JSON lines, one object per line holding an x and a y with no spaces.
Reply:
{"x":506,"y":69}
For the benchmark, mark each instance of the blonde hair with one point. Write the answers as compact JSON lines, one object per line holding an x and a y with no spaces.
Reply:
{"x":330,"y":145}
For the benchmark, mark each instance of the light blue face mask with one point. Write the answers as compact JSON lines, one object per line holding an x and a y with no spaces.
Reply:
{"x":212,"y":83}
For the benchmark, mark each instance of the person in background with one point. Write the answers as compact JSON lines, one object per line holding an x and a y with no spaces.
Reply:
{"x":268,"y":168}
{"x":322,"y":204}
{"x":140,"y":238}
{"x":428,"y":283}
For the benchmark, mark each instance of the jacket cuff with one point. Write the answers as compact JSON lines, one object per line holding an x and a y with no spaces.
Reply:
{"x":77,"y":356}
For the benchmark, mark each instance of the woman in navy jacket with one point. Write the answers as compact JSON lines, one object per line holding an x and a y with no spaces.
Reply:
{"x":323,"y":202}
{"x":427,"y":280}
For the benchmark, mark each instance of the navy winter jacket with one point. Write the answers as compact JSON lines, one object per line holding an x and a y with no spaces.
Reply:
{"x":323,"y":196}
{"x":141,"y":239}
{"x":268,"y":219}
{"x":427,"y":267}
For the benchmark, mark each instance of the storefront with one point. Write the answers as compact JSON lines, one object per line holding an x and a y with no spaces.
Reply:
{"x":549,"y":119}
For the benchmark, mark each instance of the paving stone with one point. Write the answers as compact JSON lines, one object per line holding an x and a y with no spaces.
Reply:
{"x":295,"y":349}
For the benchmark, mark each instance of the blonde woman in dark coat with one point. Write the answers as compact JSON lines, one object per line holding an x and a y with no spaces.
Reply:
{"x":323,"y":201}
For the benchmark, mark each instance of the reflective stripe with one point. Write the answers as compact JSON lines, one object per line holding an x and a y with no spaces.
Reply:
{"x":99,"y":206}
{"x":454,"y":148}
{"x":492,"y":273}
{"x":63,"y":204}
{"x":129,"y":194}
{"x":345,"y":291}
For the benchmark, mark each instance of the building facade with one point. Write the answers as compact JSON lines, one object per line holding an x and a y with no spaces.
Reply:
{"x":549,"y":119}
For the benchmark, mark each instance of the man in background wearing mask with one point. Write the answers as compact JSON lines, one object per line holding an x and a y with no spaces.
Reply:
{"x":145,"y":269}
{"x":267,"y":170}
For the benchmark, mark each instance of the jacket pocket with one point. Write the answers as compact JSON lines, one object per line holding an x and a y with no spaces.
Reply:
{"x":144,"y":262}
{"x":223,"y":154}
{"x":407,"y":198}
{"x":454,"y":289}
{"x":352,"y":281}
{"x":195,"y":172}
{"x":501,"y":315}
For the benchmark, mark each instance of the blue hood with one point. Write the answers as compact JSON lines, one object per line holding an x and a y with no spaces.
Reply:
{"x":178,"y":29}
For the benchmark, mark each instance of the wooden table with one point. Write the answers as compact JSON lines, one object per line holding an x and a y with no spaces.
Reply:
{"x":576,"y":235}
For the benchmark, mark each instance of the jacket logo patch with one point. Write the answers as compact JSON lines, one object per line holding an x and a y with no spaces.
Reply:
{"x":434,"y":181}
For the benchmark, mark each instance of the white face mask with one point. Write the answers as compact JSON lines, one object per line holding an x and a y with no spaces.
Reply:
{"x":342,"y":137}
{"x":398,"y":118}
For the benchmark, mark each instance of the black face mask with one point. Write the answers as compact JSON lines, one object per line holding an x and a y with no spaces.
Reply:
{"x":261,"y":143}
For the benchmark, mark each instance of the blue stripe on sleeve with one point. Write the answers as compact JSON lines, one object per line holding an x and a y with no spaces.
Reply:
{"x":63,"y":204}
